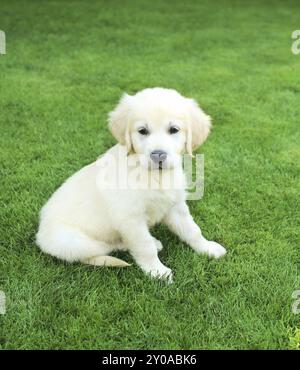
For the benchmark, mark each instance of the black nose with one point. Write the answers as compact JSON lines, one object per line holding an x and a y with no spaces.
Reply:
{"x":158,"y":156}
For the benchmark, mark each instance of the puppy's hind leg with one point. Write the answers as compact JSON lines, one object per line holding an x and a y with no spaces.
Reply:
{"x":71,"y":244}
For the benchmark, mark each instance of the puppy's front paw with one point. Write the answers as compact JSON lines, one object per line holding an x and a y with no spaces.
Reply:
{"x":161,"y":272}
{"x":158,"y":244}
{"x":212,"y":249}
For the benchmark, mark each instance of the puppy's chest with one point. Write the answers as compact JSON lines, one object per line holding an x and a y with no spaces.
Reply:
{"x":158,"y":204}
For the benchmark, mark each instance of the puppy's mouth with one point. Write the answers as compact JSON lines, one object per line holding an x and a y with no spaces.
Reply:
{"x":159,"y":166}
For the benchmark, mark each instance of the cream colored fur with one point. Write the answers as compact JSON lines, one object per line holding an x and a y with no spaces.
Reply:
{"x":85,"y":220}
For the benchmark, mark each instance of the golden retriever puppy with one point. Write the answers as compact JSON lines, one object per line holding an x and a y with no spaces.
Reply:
{"x":111,"y":204}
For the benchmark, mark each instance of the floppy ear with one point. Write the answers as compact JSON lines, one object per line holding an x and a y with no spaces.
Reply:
{"x":199,"y":125}
{"x":118,"y":121}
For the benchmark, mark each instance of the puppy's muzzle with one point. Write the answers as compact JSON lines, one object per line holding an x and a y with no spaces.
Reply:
{"x":158,"y":156}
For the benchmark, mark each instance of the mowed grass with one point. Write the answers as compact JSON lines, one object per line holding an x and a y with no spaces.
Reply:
{"x":67,"y":64}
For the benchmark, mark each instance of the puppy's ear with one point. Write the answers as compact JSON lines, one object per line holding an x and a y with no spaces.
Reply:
{"x":199,"y":125}
{"x":118,"y":121}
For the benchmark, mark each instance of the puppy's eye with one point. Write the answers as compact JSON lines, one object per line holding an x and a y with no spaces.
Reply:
{"x":143,"y":131}
{"x":173,"y":130}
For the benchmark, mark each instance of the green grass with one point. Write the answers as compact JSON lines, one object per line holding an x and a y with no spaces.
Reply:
{"x":67,"y":64}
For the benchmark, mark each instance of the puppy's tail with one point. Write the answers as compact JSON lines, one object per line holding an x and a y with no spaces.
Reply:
{"x":106,"y":261}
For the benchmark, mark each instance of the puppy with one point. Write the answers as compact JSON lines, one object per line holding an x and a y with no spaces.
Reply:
{"x":95,"y":212}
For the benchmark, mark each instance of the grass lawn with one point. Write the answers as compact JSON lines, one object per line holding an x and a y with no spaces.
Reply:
{"x":67,"y":63}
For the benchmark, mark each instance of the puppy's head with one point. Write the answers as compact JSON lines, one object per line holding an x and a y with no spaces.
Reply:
{"x":160,"y":125}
